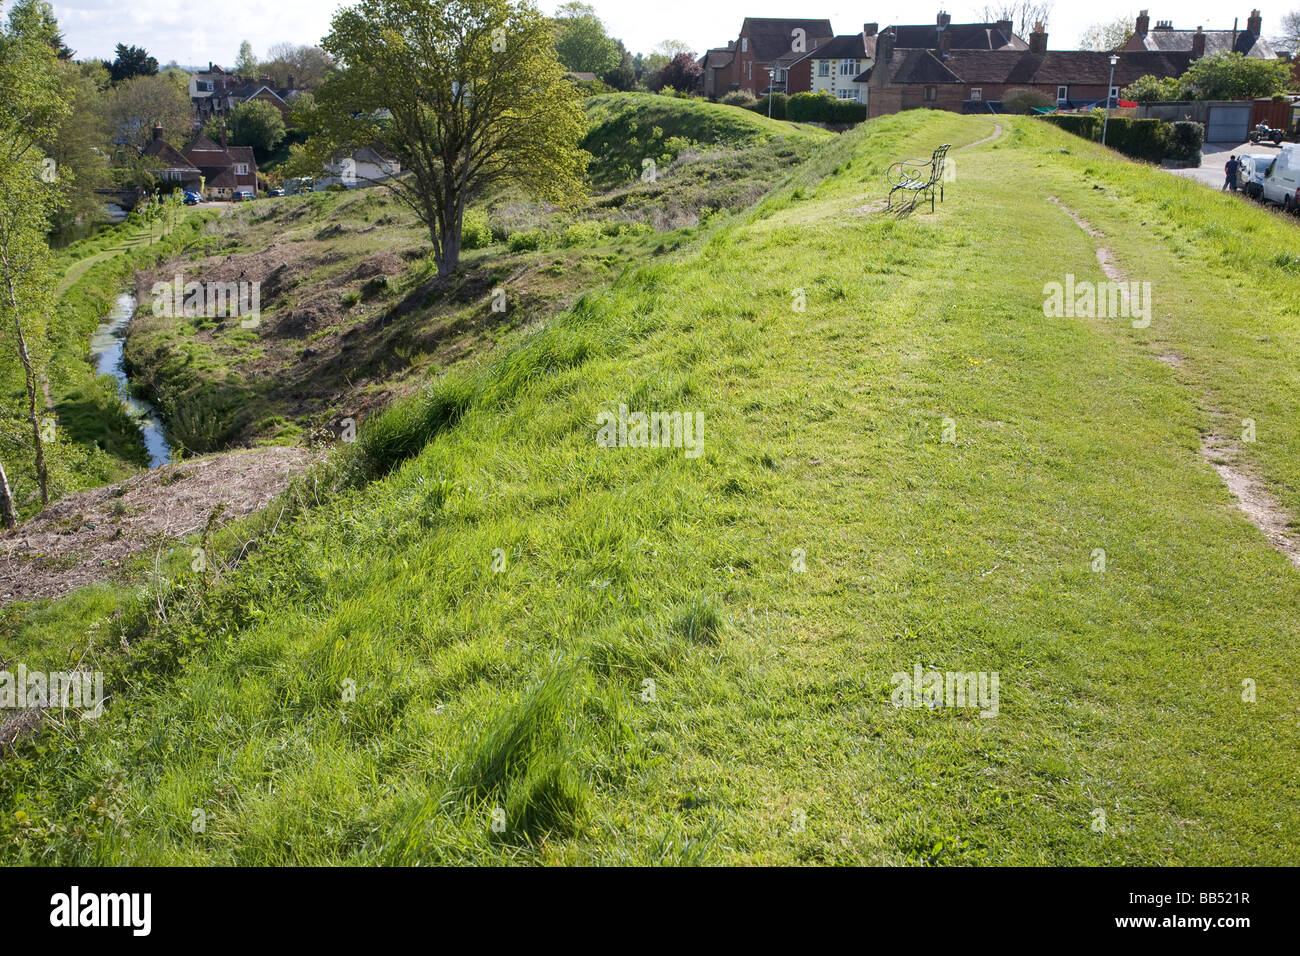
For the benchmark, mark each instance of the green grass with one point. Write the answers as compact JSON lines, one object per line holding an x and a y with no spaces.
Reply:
{"x":612,"y":650}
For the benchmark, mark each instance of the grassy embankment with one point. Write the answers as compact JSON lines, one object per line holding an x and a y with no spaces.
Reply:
{"x":365,"y":687}
{"x":352,"y":314}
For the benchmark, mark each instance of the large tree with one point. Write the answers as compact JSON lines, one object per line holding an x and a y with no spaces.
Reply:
{"x":465,"y":93}
{"x":136,"y":105}
{"x":1107,"y":36}
{"x":131,"y":61}
{"x":583,"y":44}
{"x":32,"y":105}
{"x":256,"y":124}
{"x":308,"y":65}
{"x":1290,"y":35}
{"x":246,"y":62}
{"x":76,"y":143}
{"x":1023,"y":14}
{"x":683,"y":73}
{"x":1231,"y":76}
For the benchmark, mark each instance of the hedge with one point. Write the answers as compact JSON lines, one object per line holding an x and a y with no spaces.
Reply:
{"x":824,"y":108}
{"x":1151,"y":140}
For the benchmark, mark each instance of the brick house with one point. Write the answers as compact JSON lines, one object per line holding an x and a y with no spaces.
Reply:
{"x":216,"y":93}
{"x":763,"y":43}
{"x":970,"y":80}
{"x":831,"y":67}
{"x":225,"y":169}
{"x":169,"y":164}
{"x":1165,"y":39}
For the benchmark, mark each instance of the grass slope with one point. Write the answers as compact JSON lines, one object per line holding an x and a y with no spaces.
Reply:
{"x":471,"y":637}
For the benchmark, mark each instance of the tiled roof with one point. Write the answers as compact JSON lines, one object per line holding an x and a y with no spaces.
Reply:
{"x":961,"y":36}
{"x":849,"y":47}
{"x":1216,"y":41}
{"x":771,"y":38}
{"x":167,"y":154}
{"x":1058,"y":67}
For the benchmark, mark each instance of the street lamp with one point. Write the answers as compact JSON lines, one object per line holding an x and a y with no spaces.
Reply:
{"x":1114,"y":60}
{"x":771,"y":82}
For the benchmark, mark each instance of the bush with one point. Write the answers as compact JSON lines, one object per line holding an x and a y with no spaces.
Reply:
{"x":1147,"y":139}
{"x":475,"y":234}
{"x":824,"y":108}
{"x":741,"y":98}
{"x":780,"y":106}
{"x":1025,"y":101}
{"x":1185,"y":141}
{"x":525,"y":241}
{"x":582,"y":234}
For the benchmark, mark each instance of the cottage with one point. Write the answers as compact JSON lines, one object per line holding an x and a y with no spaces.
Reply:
{"x":169,"y":164}
{"x":970,"y":80}
{"x":226,"y":169}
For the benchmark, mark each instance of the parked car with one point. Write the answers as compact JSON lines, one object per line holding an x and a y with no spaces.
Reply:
{"x":1282,"y":181}
{"x":244,"y":195}
{"x":1254,"y":170}
{"x":192,"y":198}
{"x":276,"y":192}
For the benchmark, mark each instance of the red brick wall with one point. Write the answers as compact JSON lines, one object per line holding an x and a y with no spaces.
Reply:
{"x":799,"y":79}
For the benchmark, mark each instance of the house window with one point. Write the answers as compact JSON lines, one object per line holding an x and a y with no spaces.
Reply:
{"x":1114,"y":92}
{"x":241,"y":169}
{"x":976,"y":94}
{"x":744,"y":44}
{"x":823,"y":67}
{"x":848,"y":95}
{"x":931,"y":94}
{"x":1062,"y":94}
{"x":849,"y":68}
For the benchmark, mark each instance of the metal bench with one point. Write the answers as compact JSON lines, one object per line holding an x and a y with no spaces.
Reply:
{"x":918,"y":178}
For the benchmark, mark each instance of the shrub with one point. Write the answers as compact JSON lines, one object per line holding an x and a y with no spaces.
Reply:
{"x":581,"y":234}
{"x":824,"y":108}
{"x":475,"y":234}
{"x":741,"y":98}
{"x":1185,"y":140}
{"x":529,"y":241}
{"x":1025,"y":101}
{"x":780,"y":106}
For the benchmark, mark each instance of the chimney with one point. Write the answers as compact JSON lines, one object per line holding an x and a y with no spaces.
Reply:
{"x":1038,"y":40}
{"x":870,"y":29}
{"x":944,"y":20}
{"x":1198,"y":43}
{"x":945,"y":43}
{"x":1144,"y":23}
{"x":1005,"y":27}
{"x":157,"y":132}
{"x":1255,"y":25}
{"x":885,"y":48}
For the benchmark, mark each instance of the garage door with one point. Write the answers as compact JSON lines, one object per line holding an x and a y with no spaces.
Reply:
{"x":1228,"y":124}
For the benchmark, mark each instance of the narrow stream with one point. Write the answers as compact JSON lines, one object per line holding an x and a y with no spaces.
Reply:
{"x":108,"y":352}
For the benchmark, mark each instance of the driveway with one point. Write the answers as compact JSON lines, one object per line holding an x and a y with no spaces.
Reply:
{"x":1214,"y":156}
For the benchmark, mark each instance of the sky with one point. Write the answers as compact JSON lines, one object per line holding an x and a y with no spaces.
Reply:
{"x":193,"y":34}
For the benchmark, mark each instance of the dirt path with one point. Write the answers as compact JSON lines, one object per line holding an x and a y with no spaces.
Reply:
{"x":1252,"y":497}
{"x":997,"y":132}
{"x":88,"y":537}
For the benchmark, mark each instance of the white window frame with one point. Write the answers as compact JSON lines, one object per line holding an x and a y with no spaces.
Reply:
{"x":1062,"y":94}
{"x":977,"y":93}
{"x":849,"y":94}
{"x":849,"y":68}
{"x":241,"y":169}
{"x":1114,"y":92}
{"x":932,"y":94}
{"x":823,"y":67}
{"x":744,"y":44}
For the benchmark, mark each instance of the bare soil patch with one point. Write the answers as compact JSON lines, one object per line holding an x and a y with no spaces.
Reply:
{"x":88,"y":537}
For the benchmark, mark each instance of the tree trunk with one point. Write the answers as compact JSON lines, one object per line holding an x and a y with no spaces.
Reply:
{"x":42,"y":473}
{"x":454,"y":220}
{"x":8,"y":516}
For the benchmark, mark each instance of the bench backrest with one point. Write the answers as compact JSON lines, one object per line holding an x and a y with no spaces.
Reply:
{"x":937,"y":163}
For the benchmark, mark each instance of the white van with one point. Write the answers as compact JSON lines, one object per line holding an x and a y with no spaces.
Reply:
{"x":1254,"y":170}
{"x":1282,"y":181}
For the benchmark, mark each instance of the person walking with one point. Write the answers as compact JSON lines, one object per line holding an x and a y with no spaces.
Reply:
{"x":1231,"y":170}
